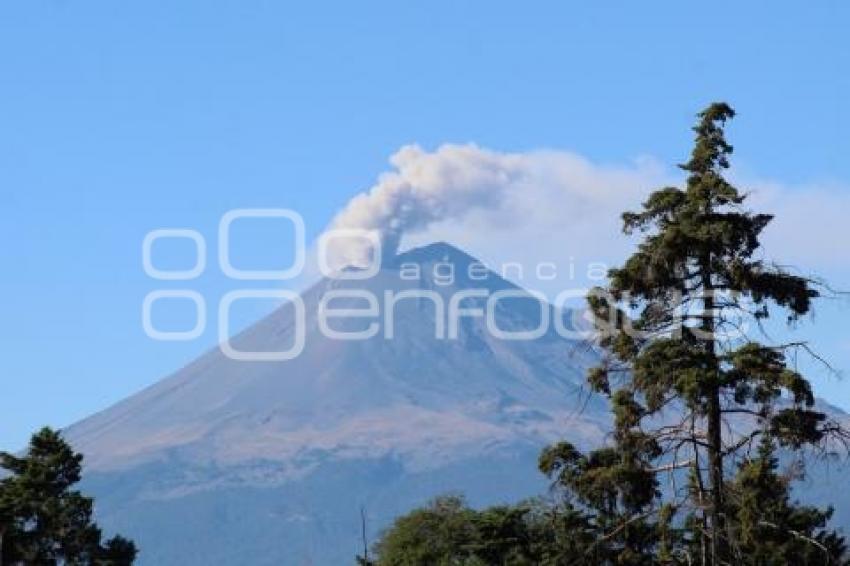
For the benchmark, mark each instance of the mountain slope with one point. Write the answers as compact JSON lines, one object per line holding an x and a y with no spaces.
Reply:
{"x":229,"y":462}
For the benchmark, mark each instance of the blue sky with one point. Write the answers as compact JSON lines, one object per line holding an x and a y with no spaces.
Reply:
{"x":118,"y":118}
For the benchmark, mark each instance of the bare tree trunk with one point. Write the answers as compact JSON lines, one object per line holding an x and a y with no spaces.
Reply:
{"x":715,"y":446}
{"x":697,"y":471}
{"x":715,"y":463}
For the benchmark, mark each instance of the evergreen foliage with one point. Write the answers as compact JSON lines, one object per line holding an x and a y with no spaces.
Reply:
{"x":447,"y":532}
{"x":42,"y":520}
{"x":673,"y":324}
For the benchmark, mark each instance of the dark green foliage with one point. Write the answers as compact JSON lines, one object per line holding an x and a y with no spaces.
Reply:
{"x":767,"y":527}
{"x":447,"y":532}
{"x":616,"y":490}
{"x":44,"y":521}
{"x":438,"y":534}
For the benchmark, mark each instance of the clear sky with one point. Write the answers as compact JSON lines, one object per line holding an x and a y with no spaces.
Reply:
{"x":120,"y":117}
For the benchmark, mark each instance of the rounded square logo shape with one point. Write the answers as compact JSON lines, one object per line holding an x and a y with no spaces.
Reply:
{"x":200,"y":316}
{"x":241,"y":355}
{"x":174,"y":233}
{"x":299,"y":244}
{"x":372,"y":237}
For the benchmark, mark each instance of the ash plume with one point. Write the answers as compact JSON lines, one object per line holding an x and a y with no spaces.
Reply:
{"x":441,"y":189}
{"x":425,"y":188}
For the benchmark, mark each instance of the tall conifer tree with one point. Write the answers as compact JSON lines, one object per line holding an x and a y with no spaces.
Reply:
{"x":671,"y":324}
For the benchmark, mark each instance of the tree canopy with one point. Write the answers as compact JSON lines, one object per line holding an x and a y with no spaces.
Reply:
{"x":42,"y":519}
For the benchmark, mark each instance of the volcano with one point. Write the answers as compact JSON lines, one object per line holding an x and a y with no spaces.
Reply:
{"x":240,"y":462}
{"x":271,"y":462}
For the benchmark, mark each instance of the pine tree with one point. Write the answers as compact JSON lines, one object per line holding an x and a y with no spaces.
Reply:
{"x":770,"y":529}
{"x":615,"y":484}
{"x":44,"y":521}
{"x":670,"y":322}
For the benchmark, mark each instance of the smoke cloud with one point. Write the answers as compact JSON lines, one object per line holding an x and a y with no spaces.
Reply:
{"x":500,"y":190}
{"x":558,"y":206}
